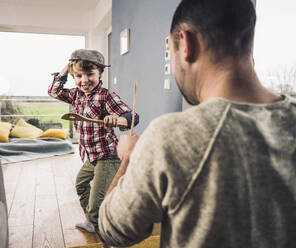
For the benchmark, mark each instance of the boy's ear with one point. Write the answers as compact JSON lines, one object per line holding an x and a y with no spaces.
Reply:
{"x":190,"y":45}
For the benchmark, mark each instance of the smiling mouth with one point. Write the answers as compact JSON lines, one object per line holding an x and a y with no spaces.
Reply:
{"x":85,"y":85}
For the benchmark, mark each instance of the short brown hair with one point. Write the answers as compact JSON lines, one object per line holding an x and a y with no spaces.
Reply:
{"x":84,"y":66}
{"x":227,"y":26}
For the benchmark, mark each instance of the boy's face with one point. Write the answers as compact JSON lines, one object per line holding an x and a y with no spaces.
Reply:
{"x":86,"y":81}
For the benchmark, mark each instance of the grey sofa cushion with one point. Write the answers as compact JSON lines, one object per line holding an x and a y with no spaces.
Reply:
{"x":28,"y":149}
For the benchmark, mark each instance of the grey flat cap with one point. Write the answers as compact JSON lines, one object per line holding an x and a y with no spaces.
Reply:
{"x":89,"y":55}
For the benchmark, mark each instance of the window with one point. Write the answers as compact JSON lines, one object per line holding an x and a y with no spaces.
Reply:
{"x":275,"y":39}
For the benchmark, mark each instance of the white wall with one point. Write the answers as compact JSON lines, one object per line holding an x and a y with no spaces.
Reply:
{"x":99,"y":27}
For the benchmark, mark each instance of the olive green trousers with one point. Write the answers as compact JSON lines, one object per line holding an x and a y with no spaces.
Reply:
{"x":92,"y":182}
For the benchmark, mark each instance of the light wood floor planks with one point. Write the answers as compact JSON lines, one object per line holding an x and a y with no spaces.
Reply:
{"x":42,"y":203}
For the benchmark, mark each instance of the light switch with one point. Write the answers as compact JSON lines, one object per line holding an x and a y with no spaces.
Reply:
{"x":167,"y":69}
{"x":115,"y":80}
{"x":167,"y":42}
{"x":167,"y":84}
{"x":167,"y":56}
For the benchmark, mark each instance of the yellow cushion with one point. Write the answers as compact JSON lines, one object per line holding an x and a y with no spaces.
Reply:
{"x":55,"y":133}
{"x":23,"y":123}
{"x":23,"y":129}
{"x":25,"y":132}
{"x":4,"y":131}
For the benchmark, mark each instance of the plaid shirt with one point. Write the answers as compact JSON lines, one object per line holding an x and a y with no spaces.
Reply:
{"x":94,"y":141}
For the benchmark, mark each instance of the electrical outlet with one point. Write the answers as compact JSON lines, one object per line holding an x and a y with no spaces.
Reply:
{"x":167,"y":56}
{"x":167,"y":84}
{"x":115,"y":80}
{"x":167,"y":42}
{"x":167,"y":69}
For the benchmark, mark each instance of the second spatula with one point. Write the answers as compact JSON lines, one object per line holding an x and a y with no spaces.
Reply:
{"x":77,"y":117}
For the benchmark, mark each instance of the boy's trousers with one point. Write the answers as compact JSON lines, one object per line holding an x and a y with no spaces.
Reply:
{"x":101,"y":175}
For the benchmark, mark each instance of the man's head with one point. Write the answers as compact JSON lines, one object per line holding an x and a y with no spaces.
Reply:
{"x":222,"y":28}
{"x":86,"y":67}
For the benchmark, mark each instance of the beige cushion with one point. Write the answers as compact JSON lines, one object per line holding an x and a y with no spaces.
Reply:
{"x":23,"y":129}
{"x":55,"y":133}
{"x":4,"y":131}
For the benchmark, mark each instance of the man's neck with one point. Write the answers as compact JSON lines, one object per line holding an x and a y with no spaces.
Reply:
{"x":236,"y":81}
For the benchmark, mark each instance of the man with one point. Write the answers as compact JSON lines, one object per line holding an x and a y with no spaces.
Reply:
{"x":221,"y":174}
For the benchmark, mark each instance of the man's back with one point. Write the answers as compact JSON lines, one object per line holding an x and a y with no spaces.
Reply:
{"x":242,"y":192}
{"x":218,"y":175}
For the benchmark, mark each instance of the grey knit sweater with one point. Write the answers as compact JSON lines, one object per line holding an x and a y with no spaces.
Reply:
{"x":221,"y":174}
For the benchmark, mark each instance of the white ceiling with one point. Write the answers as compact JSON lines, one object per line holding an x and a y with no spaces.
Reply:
{"x":47,"y":16}
{"x":71,"y":4}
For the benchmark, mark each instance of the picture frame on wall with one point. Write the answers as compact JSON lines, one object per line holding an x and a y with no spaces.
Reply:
{"x":124,"y":41}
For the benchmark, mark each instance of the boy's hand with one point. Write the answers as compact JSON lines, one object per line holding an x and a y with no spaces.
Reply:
{"x":126,"y":145}
{"x":113,"y":121}
{"x":64,"y":71}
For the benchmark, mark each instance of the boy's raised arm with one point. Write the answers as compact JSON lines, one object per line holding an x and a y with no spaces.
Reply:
{"x":57,"y":90}
{"x":64,"y":71}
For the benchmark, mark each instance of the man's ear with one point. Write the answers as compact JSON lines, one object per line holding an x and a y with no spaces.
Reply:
{"x":190,"y":45}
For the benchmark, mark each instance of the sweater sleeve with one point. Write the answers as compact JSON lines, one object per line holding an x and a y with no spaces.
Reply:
{"x":57,"y":90}
{"x":114,"y":105}
{"x":127,"y":215}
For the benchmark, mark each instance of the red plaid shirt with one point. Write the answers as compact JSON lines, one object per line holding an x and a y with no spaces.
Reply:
{"x":94,"y":141}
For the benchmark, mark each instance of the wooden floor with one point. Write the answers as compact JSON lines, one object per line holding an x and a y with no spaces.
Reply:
{"x":42,"y":203}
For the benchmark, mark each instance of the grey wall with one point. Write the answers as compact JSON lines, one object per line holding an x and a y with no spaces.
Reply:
{"x":149,"y":22}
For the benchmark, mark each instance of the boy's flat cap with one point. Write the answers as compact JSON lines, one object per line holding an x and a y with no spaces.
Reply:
{"x":89,"y":55}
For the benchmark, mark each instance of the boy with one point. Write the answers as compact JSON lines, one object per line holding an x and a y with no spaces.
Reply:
{"x":97,"y":142}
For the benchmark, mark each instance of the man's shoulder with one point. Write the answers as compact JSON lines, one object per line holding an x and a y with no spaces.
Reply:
{"x":187,"y":132}
{"x":177,"y":143}
{"x":208,"y":114}
{"x":197,"y":117}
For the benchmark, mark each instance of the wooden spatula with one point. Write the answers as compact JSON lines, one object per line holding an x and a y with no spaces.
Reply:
{"x":77,"y":117}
